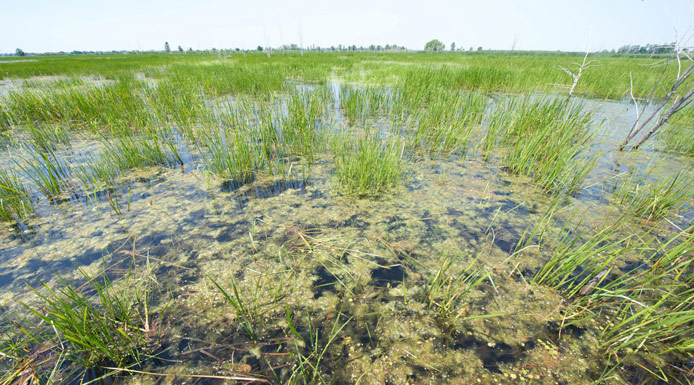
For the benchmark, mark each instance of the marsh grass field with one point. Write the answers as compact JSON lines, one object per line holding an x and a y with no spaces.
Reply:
{"x":334,"y":218}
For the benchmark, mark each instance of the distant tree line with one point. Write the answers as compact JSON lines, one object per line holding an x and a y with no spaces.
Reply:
{"x":652,"y":49}
{"x":431,"y":46}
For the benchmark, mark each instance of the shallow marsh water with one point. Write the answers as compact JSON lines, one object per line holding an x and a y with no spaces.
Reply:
{"x":302,"y":245}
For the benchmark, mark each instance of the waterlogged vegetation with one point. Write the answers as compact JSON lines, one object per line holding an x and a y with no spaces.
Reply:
{"x":340,"y":218}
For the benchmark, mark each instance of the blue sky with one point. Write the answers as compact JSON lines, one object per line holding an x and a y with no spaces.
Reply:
{"x":49,"y":25}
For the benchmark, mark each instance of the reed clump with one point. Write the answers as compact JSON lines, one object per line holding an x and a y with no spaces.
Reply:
{"x":366,"y":165}
{"x":646,"y":312}
{"x":446,"y":121}
{"x":548,"y":140}
{"x":105,"y":328}
{"x":15,"y":201}
{"x":448,"y":286}
{"x":654,"y":198}
{"x":46,"y":168}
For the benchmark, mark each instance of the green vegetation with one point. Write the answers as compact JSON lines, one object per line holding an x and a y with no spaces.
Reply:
{"x":368,"y":165}
{"x":446,"y":289}
{"x":344,"y":198}
{"x":15,"y":202}
{"x":548,"y":140}
{"x":434,"y":45}
{"x":654,"y":198}
{"x":107,"y":328}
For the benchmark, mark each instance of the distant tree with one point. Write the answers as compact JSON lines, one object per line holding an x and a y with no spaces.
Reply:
{"x":434,"y":45}
{"x":190,"y":49}
{"x":167,"y":48}
{"x":180,"y":49}
{"x":19,"y":52}
{"x":479,"y":48}
{"x":260,"y":48}
{"x":453,"y":46}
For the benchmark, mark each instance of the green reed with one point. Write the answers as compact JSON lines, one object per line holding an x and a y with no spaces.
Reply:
{"x":677,"y":138}
{"x":222,"y":78}
{"x":548,"y":140}
{"x":445,"y":289}
{"x":15,"y":201}
{"x":232,"y":155}
{"x":103,"y":330}
{"x":649,"y":308}
{"x":577,"y":257}
{"x":122,"y":101}
{"x":301,"y":130}
{"x":446,"y":123}
{"x":46,"y":169}
{"x":360,"y":103}
{"x":366,"y":165}
{"x":153,"y":146}
{"x":313,"y":349}
{"x":48,"y":137}
{"x":654,"y":199}
{"x":244,"y":313}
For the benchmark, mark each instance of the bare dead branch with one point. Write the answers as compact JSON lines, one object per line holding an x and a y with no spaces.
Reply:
{"x":585,"y":64}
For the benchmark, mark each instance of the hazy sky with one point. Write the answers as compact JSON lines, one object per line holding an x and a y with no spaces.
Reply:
{"x":50,"y":25}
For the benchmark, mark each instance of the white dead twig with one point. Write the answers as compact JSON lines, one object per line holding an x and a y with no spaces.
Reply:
{"x":631,"y":92}
{"x":584,"y":65}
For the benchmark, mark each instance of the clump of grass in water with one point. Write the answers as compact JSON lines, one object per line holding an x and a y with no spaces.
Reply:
{"x":677,"y":135}
{"x":360,"y":103}
{"x":126,"y":150}
{"x":651,"y":310}
{"x":444,"y":290}
{"x":678,"y":138}
{"x":367,"y":166}
{"x":657,"y":199}
{"x":107,"y":330}
{"x":445,"y":125}
{"x":301,"y":128}
{"x":49,"y":172}
{"x":578,"y":258}
{"x":21,"y":360}
{"x":648,"y":311}
{"x":48,"y":137}
{"x":547,"y":140}
{"x":15,"y":201}
{"x":232,"y":155}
